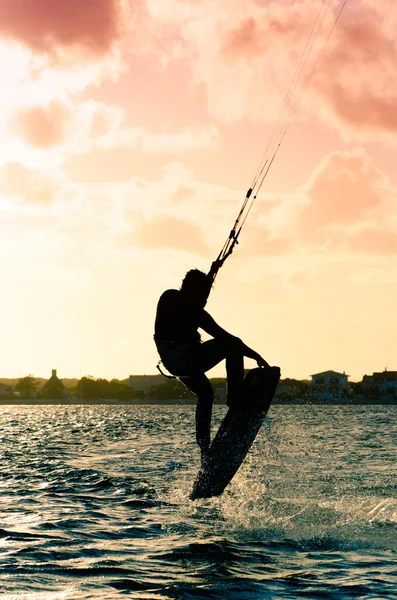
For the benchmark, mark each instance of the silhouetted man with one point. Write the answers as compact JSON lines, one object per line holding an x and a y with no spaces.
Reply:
{"x":180,"y":313}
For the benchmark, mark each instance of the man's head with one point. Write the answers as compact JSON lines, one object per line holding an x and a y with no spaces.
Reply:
{"x":197,"y":286}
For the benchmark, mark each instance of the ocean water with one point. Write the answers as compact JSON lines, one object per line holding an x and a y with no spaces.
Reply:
{"x":94,"y":504}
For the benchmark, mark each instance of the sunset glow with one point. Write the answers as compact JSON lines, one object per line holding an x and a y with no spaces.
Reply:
{"x":131,"y":132}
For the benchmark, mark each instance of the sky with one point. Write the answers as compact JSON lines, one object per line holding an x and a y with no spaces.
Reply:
{"x":131,"y":132}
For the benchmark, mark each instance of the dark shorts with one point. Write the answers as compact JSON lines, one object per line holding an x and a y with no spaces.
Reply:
{"x":177,"y":357}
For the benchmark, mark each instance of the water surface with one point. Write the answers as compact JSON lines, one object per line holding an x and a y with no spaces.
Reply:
{"x":94,"y":504}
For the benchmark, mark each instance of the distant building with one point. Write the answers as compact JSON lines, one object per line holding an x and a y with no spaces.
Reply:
{"x":329,"y":385}
{"x":145,"y":383}
{"x":5,"y":390}
{"x":380,"y":384}
{"x":53,"y":388}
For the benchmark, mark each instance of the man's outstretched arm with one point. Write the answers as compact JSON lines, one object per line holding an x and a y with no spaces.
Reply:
{"x":210,"y":326}
{"x":249,"y":353}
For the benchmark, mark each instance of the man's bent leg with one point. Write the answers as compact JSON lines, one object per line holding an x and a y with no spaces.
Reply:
{"x":201,"y":386}
{"x":214,"y":351}
{"x":235,"y":377}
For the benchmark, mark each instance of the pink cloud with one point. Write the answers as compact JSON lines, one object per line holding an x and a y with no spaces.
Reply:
{"x":261,"y":242}
{"x":358,"y":75}
{"x":181,"y":194}
{"x":375,"y":241}
{"x":47,"y":25}
{"x":42,"y":126}
{"x":348,"y":205}
{"x":368,"y":110}
{"x":27,"y":186}
{"x":168,"y":232}
{"x":243,"y":40}
{"x":344,"y":189}
{"x":246,"y":57}
{"x":253,"y":35}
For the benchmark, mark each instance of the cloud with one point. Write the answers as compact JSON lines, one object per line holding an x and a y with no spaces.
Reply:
{"x":50,"y":26}
{"x":174,"y":210}
{"x":347,"y":206}
{"x":351,"y":207}
{"x":104,"y":126}
{"x":344,"y":190}
{"x":181,"y":194}
{"x":298,"y":276}
{"x":246,"y":57}
{"x":375,"y":241}
{"x":167,"y":232}
{"x":359,"y":86}
{"x":43,"y":126}
{"x":253,"y":36}
{"x":96,"y":125}
{"x":184,"y":140}
{"x":28,"y":186}
{"x":244,"y":40}
{"x":262,"y":242}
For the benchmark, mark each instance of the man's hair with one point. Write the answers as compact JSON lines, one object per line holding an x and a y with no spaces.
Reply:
{"x":194,"y":278}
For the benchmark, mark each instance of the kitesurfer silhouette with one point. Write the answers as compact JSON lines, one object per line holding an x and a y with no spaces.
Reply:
{"x":180,"y":313}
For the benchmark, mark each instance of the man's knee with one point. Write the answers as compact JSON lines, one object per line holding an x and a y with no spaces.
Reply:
{"x":201,"y":387}
{"x":234,"y":353}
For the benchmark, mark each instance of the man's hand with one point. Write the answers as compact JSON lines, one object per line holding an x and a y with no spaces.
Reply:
{"x":262,"y":363}
{"x":216,"y":265}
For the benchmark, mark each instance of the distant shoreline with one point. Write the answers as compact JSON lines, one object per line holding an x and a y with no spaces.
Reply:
{"x":188,"y":401}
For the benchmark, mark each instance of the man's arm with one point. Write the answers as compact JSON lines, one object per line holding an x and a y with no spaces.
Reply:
{"x":209,"y":325}
{"x":252,"y":354}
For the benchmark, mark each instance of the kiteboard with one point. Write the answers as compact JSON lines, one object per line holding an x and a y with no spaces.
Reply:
{"x":237,"y":433}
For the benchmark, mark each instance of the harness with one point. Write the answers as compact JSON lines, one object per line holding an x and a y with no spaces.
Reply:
{"x":176,"y":357}
{"x":158,"y":367}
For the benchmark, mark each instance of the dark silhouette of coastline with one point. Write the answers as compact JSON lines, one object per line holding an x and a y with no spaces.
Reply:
{"x":156,"y":390}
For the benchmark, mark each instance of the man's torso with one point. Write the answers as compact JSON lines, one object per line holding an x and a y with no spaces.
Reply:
{"x":176,"y":320}
{"x":175,"y":332}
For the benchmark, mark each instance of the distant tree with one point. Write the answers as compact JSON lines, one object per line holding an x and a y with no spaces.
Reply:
{"x":88,"y":387}
{"x":294,"y":390}
{"x":26,"y":385}
{"x":118,"y":389}
{"x":171,"y":389}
